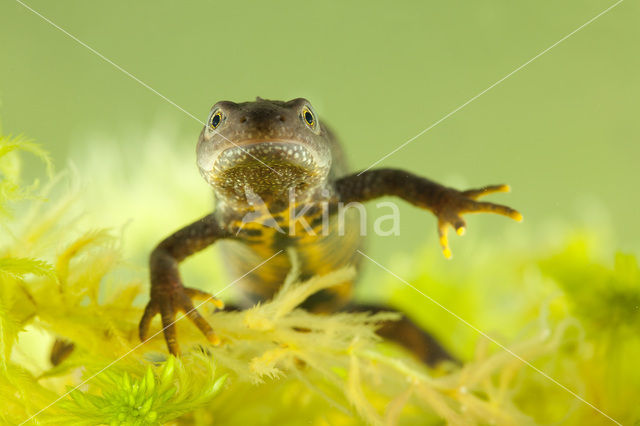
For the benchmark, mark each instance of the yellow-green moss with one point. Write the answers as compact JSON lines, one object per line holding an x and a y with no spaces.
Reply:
{"x":59,"y":281}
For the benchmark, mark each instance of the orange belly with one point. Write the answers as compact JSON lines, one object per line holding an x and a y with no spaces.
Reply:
{"x":327,"y":250}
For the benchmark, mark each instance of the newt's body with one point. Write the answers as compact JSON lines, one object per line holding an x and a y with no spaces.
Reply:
{"x":278,"y":175}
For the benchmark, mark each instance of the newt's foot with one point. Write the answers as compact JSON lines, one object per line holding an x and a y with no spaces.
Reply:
{"x":457,"y":203}
{"x":169,"y":302}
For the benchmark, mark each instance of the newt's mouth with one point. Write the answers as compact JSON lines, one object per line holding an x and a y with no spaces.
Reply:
{"x":266,"y":168}
{"x":266,"y":154}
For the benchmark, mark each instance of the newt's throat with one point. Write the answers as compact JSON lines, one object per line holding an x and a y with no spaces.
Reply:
{"x":267,"y":169}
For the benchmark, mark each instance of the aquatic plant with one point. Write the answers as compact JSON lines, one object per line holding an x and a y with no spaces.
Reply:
{"x":65,"y":285}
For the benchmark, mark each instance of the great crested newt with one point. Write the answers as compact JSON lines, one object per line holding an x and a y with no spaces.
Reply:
{"x":278,"y":173}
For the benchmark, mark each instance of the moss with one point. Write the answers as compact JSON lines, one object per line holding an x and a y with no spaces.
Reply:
{"x":279,"y":364}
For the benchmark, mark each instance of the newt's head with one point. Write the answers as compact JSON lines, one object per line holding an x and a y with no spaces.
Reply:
{"x":263,"y":147}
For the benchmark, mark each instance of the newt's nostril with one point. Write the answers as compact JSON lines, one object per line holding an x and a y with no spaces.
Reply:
{"x":281,"y":117}
{"x":243,"y":119}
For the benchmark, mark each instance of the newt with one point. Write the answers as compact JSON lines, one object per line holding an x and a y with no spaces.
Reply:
{"x":278,"y":173}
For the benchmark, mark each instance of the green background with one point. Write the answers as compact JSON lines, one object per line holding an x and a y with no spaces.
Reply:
{"x":563,"y":131}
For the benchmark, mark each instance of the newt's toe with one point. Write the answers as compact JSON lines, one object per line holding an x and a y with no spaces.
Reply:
{"x":486,"y":190}
{"x":149,"y":312}
{"x":201,"y":323}
{"x":444,"y":241}
{"x":195,"y":294}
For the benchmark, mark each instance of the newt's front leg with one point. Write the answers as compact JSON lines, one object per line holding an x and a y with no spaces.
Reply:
{"x":168,"y":295}
{"x":447,"y":204}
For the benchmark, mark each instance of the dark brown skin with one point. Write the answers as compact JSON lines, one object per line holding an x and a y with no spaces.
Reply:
{"x":267,"y":161}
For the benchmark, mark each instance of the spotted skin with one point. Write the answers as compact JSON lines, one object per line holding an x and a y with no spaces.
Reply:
{"x":279,"y":177}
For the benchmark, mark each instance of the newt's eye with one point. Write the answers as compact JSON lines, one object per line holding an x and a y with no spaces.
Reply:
{"x":308,"y":117}
{"x":216,"y":119}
